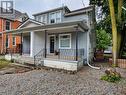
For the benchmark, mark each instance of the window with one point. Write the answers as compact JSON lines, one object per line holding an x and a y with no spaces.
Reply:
{"x":7,"y":41}
{"x":58,"y":17}
{"x":14,"y":41}
{"x":55,"y":17}
{"x":38,"y":18}
{"x":43,"y":18}
{"x":52,"y":18}
{"x":8,"y":25}
{"x":65,"y":41}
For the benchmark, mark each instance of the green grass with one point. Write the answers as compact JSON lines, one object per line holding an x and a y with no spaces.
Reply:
{"x":4,"y":63}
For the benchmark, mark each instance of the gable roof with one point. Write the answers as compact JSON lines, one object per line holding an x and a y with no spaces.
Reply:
{"x":31,"y":21}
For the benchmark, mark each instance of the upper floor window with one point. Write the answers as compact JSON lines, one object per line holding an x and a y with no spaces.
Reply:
{"x":52,"y":18}
{"x":8,"y":25}
{"x":44,"y":18}
{"x":38,"y":18}
{"x":55,"y":17}
{"x":41,"y":18}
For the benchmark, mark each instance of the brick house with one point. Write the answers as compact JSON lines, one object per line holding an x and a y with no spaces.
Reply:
{"x":7,"y":22}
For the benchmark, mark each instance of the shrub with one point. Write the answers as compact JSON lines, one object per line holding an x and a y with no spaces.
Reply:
{"x":111,"y":76}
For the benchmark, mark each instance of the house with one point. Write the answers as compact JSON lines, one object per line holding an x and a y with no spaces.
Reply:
{"x":8,"y":22}
{"x":59,"y":38}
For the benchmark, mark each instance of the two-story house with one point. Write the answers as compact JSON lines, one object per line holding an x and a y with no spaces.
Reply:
{"x":7,"y":22}
{"x":59,"y":38}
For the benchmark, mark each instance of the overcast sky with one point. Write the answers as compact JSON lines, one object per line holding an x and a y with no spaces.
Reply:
{"x":35,"y":6}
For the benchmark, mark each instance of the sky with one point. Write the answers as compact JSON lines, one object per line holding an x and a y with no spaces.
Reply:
{"x":35,"y":6}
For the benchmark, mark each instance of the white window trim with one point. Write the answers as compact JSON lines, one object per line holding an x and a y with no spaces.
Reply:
{"x":55,"y":17}
{"x":15,"y":41}
{"x":60,"y":15}
{"x":60,"y":42}
{"x":44,"y":18}
{"x":50,"y":17}
{"x":5,"y":24}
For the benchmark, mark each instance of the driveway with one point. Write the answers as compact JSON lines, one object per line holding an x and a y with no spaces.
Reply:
{"x":48,"y":82}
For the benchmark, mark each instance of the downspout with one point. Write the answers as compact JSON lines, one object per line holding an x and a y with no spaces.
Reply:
{"x":88,"y":43}
{"x":88,"y":53}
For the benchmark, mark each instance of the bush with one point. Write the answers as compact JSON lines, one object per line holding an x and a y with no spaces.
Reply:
{"x":111,"y":76}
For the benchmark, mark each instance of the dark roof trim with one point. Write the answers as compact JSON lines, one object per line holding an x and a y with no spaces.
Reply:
{"x":56,"y":9}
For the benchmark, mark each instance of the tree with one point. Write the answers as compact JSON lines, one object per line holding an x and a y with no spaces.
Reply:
{"x":103,"y":39}
{"x":114,"y":31}
{"x":113,"y":20}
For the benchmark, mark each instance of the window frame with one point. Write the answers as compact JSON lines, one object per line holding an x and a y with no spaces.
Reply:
{"x":6,"y":25}
{"x":60,"y":41}
{"x":55,"y":18}
{"x":44,"y":18}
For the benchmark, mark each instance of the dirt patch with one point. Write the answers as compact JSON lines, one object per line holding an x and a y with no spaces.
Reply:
{"x":13,"y":69}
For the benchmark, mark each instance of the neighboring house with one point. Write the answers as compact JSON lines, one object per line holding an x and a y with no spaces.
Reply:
{"x":60,"y":38}
{"x":8,"y":22}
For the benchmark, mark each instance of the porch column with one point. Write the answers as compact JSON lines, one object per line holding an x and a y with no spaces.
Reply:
{"x":21,"y":47}
{"x":77,"y":43}
{"x":32,"y":44}
{"x":45,"y":44}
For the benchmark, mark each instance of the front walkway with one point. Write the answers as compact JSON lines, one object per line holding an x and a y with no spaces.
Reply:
{"x":48,"y":82}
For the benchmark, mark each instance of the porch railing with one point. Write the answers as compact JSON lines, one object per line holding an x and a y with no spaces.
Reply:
{"x":66,"y":54}
{"x":39,"y":57}
{"x":60,"y":54}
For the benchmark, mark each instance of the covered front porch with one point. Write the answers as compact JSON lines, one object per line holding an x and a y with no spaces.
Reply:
{"x":62,"y":46}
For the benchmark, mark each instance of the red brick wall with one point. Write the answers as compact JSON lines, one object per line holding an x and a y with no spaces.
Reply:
{"x":14,"y":25}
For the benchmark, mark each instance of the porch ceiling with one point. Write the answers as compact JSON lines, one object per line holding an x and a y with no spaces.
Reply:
{"x":60,"y":27}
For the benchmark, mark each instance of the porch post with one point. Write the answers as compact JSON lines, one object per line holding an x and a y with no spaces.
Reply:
{"x":32,"y":44}
{"x":77,"y":43}
{"x":21,"y":47}
{"x":45,"y":43}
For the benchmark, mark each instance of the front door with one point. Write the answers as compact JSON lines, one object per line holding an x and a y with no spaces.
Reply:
{"x":52,"y":44}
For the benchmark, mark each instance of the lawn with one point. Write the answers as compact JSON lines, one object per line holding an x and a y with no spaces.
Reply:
{"x":4,"y":63}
